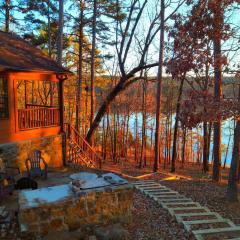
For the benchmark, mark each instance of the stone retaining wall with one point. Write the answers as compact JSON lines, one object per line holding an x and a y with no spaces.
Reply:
{"x":87,"y":209}
{"x":16,"y":153}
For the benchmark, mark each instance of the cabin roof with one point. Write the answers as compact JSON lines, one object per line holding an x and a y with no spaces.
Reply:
{"x":19,"y":55}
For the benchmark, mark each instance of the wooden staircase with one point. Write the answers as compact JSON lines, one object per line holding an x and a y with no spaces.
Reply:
{"x":79,"y":152}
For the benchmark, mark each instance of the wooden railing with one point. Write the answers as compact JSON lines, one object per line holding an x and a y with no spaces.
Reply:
{"x":86,"y":149}
{"x":38,"y":117}
{"x":30,"y":106}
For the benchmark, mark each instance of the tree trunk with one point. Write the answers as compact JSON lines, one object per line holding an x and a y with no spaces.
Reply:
{"x":49,"y":30}
{"x":7,"y":15}
{"x":80,"y":67}
{"x":143,"y":149}
{"x":232,"y":190}
{"x":93,"y":61}
{"x":117,"y":89}
{"x":174,"y":148}
{"x":218,"y":21}
{"x":205,"y":148}
{"x":209,"y":139}
{"x":60,"y":33}
{"x":205,"y":127}
{"x":136,"y":138}
{"x":184,"y":146}
{"x":159,"y":89}
{"x":225,"y":160}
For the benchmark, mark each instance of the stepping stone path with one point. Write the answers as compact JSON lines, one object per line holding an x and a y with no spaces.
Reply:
{"x":196,"y":219}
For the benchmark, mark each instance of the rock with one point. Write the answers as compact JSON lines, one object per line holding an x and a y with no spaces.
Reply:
{"x":93,"y":237}
{"x":3,"y":212}
{"x":112,"y":232}
{"x":65,"y":235}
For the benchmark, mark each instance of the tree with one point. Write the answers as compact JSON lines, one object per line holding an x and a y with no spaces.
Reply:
{"x":159,"y":88}
{"x":60,"y":33}
{"x":80,"y":65}
{"x":218,"y":12}
{"x":95,"y":8}
{"x":126,"y":33}
{"x":232,"y":190}
{"x":7,"y":15}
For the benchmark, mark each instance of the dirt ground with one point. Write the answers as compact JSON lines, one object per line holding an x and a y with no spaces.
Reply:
{"x":150,"y":221}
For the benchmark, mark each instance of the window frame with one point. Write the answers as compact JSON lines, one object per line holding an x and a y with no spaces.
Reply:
{"x":4,"y":112}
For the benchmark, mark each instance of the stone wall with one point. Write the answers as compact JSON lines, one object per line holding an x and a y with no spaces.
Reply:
{"x":16,"y":153}
{"x":98,"y":207}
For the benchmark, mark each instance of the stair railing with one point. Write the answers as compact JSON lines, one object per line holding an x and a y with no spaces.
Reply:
{"x":88,"y":150}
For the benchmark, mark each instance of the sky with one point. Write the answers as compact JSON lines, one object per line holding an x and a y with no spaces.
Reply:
{"x":152,"y":8}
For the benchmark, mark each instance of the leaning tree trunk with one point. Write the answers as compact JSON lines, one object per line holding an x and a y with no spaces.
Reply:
{"x":117,"y":89}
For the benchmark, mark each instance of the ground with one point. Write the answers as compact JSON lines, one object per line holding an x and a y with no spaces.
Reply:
{"x":150,"y":221}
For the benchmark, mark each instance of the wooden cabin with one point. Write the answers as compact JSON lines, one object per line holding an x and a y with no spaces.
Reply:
{"x":31,"y":102}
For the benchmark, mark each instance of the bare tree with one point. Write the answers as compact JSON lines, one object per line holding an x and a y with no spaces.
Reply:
{"x":7,"y":15}
{"x":80,"y":66}
{"x":124,"y":42}
{"x":159,"y":88}
{"x":217,"y":26}
{"x":60,"y":33}
{"x":95,"y":5}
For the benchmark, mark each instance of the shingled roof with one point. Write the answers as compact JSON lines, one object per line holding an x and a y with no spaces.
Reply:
{"x":19,"y":55}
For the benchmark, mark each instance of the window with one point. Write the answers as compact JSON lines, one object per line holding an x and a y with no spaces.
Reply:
{"x":3,"y":98}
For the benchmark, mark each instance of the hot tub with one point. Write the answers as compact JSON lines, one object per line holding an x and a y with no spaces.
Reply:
{"x":100,"y":200}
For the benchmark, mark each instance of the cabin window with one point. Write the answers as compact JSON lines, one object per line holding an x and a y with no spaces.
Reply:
{"x":3,"y":98}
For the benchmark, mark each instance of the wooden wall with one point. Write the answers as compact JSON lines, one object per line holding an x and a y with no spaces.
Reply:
{"x":9,"y":131}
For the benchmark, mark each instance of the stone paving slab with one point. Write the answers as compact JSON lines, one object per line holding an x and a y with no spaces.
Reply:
{"x":149,"y":185}
{"x":159,"y":197}
{"x":199,"y":234}
{"x":172,"y":211}
{"x":189,"y":224}
{"x":179,"y":217}
{"x":161,"y":193}
{"x":174,"y":205}
{"x":183,"y":203}
{"x":156,"y":189}
{"x":174,"y":202}
{"x":144,"y":182}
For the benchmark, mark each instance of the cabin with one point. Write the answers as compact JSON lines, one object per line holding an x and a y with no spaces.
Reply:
{"x":31,"y":103}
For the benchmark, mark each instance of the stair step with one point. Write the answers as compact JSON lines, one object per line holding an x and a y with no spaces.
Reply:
{"x":199,"y":234}
{"x":179,"y":216}
{"x":188,"y":224}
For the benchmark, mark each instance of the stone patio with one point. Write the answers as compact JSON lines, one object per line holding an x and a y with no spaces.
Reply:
{"x":86,"y":208}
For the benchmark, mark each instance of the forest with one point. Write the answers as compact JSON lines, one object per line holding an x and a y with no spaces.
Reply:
{"x":155,"y":84}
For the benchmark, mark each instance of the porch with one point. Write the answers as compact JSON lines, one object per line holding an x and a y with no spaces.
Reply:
{"x":38,"y":104}
{"x":36,"y":116}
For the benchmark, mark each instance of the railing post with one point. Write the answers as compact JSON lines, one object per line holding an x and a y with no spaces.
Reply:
{"x":100,"y":163}
{"x":68,"y":130}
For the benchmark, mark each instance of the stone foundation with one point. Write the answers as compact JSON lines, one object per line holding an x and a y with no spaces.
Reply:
{"x":16,"y":153}
{"x":83,"y":210}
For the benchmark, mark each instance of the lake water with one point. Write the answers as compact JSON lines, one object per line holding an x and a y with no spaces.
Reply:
{"x":227,"y":131}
